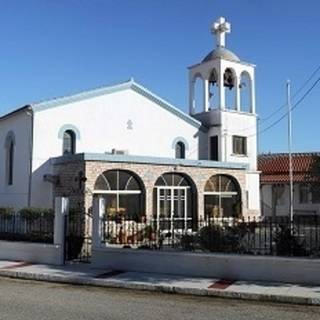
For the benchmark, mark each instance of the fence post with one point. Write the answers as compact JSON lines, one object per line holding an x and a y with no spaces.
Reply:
{"x":98,"y":210}
{"x":61,"y":210}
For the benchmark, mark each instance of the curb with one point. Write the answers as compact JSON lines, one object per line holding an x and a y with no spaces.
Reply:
{"x":161,"y":288}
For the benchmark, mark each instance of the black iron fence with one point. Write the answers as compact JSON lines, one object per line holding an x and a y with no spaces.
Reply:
{"x":78,"y":236}
{"x":18,"y":227}
{"x":225,"y":235}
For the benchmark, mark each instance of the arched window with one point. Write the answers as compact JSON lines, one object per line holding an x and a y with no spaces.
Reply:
{"x":10,"y":146}
{"x":180,"y":150}
{"x":222,"y":197}
{"x":69,"y":142}
{"x":124,"y":195}
{"x":174,"y":202}
{"x":245,"y":92}
{"x":10,"y":163}
{"x":229,"y":82}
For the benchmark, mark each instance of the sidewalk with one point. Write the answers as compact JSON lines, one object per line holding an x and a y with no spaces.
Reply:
{"x":87,"y":275}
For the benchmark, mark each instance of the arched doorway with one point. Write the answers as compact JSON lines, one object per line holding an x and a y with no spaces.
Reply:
{"x":174,"y":202}
{"x":222,"y":197}
{"x":124,"y":194}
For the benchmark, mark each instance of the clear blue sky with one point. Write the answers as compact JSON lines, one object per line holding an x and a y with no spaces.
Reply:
{"x":53,"y":48}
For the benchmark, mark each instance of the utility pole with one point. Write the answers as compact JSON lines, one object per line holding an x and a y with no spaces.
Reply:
{"x":290,"y":149}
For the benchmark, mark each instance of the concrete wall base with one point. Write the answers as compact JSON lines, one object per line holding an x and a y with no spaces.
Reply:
{"x":31,"y":252}
{"x":222,"y":266}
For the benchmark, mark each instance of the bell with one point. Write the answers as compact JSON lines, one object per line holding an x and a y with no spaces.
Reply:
{"x":228,"y":81}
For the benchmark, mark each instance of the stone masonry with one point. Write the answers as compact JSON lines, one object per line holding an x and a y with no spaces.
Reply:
{"x":77,"y":179}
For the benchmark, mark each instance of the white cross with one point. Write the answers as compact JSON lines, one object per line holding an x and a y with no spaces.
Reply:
{"x":220,"y":28}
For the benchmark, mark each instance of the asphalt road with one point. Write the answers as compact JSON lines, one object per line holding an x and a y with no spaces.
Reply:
{"x":25,"y":300}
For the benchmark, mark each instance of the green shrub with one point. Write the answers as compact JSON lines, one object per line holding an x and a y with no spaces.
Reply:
{"x":188,"y":242}
{"x":31,"y":213}
{"x":6,"y":212}
{"x":216,"y":238}
{"x":287,"y":243}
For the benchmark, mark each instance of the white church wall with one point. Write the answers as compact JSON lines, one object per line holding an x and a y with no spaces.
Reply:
{"x":253,"y":182}
{"x":41,"y":194}
{"x":239,"y":124}
{"x":123,"y":120}
{"x":16,"y":195}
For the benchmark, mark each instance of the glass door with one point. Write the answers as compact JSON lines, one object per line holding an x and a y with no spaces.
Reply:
{"x":164,"y":208}
{"x":172,"y":208}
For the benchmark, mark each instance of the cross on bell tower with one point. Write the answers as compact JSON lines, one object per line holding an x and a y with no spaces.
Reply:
{"x":219,"y":29}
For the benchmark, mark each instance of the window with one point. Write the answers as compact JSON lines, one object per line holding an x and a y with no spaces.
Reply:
{"x":214,"y":148}
{"x":69,"y":142}
{"x":222,"y":197}
{"x":304,"y":193}
{"x":10,"y":163}
{"x":123,"y":194}
{"x":180,"y":150}
{"x":315,"y":194}
{"x":10,"y":146}
{"x":239,"y":145}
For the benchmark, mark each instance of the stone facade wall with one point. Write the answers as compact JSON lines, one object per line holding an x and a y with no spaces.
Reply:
{"x":69,"y":185}
{"x":148,"y":173}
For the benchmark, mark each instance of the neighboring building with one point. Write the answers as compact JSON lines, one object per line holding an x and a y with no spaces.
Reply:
{"x":275,"y":184}
{"x":138,"y":151}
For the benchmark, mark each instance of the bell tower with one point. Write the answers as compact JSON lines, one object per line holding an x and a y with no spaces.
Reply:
{"x":222,"y":97}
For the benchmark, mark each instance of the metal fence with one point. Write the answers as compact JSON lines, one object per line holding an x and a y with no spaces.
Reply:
{"x":14,"y":227}
{"x":269,"y":236}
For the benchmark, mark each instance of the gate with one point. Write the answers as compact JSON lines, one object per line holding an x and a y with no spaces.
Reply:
{"x":78,"y":236}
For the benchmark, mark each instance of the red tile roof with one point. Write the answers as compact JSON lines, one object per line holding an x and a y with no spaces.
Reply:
{"x":275,"y":167}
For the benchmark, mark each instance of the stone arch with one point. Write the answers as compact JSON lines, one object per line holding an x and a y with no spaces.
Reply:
{"x":182,"y":139}
{"x":67,"y":127}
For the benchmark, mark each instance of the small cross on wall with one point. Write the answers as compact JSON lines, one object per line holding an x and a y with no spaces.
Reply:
{"x":129,"y":125}
{"x":219,"y":29}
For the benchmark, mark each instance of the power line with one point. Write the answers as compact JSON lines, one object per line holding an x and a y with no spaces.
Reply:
{"x":284,"y":105}
{"x":294,"y":107}
{"x":294,"y":95}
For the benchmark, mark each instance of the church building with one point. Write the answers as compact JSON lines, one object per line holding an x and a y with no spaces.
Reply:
{"x":146,"y":157}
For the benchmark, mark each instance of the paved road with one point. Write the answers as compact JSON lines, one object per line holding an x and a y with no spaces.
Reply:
{"x":25,"y":300}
